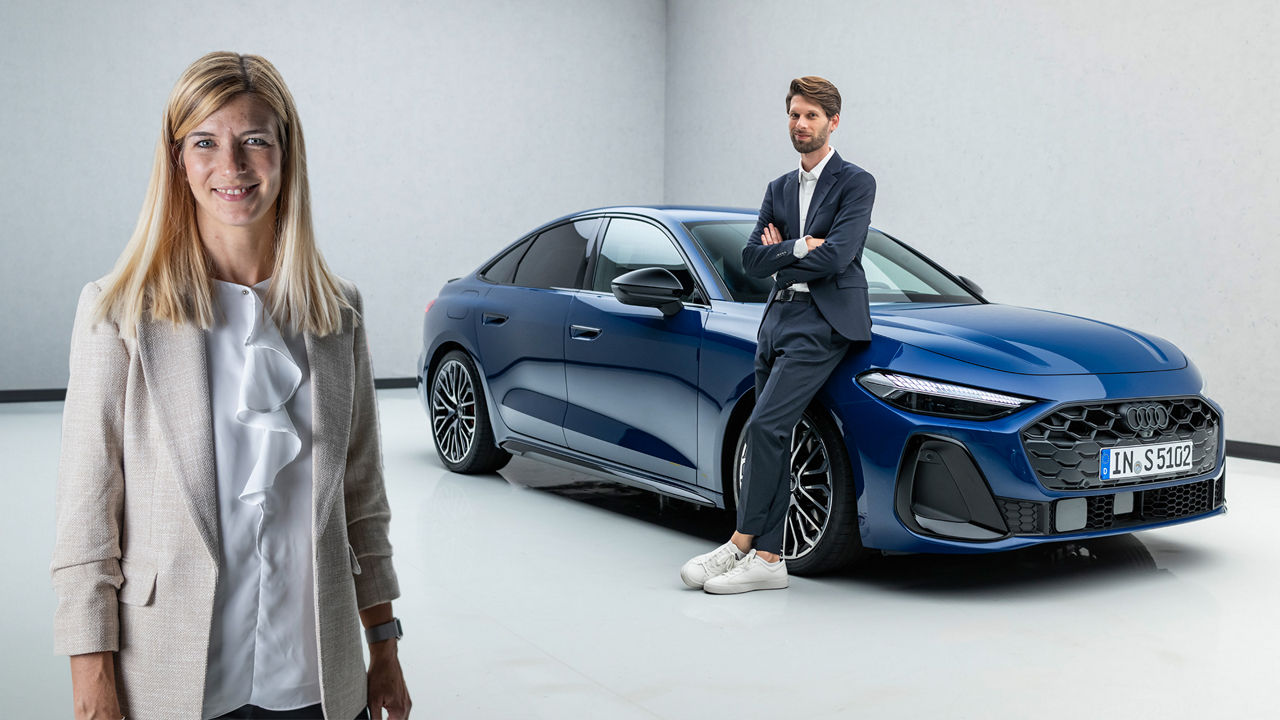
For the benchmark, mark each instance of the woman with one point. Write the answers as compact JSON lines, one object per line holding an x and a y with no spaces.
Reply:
{"x":221,"y":513}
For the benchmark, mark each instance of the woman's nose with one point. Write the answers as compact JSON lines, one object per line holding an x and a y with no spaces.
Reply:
{"x":233,"y":161}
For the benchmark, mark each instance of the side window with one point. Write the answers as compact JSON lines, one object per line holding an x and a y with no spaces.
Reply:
{"x":631,"y":245}
{"x":557,"y":257}
{"x":503,"y":270}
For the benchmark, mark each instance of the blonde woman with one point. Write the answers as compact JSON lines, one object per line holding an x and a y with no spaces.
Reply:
{"x":221,"y":517}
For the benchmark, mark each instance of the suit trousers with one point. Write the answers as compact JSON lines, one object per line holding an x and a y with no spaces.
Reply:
{"x":796,"y":353}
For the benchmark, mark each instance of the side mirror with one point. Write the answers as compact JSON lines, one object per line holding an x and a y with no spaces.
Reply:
{"x":970,"y":285}
{"x":649,"y":287}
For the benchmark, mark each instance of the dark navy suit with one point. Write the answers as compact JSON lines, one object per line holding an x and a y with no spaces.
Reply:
{"x":801,"y":340}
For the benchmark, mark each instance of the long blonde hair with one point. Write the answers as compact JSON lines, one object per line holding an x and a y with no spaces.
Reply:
{"x":164,"y":271}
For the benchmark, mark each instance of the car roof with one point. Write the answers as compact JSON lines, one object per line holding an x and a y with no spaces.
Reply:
{"x":673,"y":213}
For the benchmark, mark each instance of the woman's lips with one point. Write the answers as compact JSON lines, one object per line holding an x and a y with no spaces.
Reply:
{"x":235,"y":194}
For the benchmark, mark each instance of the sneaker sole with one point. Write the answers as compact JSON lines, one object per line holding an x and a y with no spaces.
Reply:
{"x":749,"y":587}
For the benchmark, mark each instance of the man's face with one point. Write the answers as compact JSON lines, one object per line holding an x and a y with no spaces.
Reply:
{"x":809,"y":124}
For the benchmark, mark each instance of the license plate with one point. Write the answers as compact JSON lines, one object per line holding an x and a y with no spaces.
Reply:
{"x":1142,"y":460}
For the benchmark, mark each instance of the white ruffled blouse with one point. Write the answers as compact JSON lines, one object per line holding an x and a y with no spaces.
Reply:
{"x":262,"y":645}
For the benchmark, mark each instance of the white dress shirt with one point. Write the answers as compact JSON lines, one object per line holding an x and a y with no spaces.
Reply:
{"x":262,"y":643}
{"x":808,"y":181}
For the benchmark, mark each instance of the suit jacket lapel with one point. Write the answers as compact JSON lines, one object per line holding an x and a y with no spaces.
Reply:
{"x":177,"y":377}
{"x":791,"y":206}
{"x":826,"y":181}
{"x":332,"y":386}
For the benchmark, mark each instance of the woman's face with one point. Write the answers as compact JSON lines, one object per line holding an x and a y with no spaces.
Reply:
{"x":232,"y":161}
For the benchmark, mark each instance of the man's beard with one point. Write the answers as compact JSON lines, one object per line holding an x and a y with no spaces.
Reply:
{"x":816,"y":141}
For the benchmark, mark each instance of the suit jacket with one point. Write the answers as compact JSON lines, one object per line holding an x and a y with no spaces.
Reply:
{"x":135,"y":562}
{"x":839,"y":212}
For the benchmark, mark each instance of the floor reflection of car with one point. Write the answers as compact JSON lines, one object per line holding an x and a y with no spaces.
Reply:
{"x":619,"y":341}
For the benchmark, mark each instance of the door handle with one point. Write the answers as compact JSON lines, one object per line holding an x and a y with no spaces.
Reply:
{"x":582,"y":332}
{"x":493,"y":319}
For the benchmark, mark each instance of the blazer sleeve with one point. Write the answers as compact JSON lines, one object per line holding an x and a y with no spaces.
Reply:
{"x":760,"y":260}
{"x":90,"y":496}
{"x":364,"y":492}
{"x":845,"y":239}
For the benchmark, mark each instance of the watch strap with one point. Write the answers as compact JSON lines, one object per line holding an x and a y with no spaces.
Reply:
{"x":385,"y":631}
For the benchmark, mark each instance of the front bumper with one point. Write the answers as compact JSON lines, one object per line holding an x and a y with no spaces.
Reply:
{"x":928,"y":484}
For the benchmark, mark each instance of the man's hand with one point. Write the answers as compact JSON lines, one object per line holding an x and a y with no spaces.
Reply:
{"x":387,"y":690}
{"x":813,"y":242}
{"x":770,"y":235}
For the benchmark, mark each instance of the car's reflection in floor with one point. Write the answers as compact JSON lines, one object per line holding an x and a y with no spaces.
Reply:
{"x":1042,"y":564}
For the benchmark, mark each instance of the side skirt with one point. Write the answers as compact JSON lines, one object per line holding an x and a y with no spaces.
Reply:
{"x":603,"y":469}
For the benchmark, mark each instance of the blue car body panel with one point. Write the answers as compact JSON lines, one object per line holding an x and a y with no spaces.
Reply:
{"x":659,"y":398}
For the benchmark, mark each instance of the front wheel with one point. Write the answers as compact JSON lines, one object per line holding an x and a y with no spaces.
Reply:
{"x":821,"y":530}
{"x":460,"y":418}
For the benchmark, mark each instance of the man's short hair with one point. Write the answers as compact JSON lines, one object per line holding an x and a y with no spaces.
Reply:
{"x":816,"y":90}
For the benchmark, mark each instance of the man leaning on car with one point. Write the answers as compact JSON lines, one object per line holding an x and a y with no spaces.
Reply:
{"x":809,"y":237}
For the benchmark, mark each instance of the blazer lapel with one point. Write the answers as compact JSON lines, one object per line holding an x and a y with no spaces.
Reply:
{"x":826,"y":181}
{"x":177,"y":376}
{"x":332,"y":386}
{"x":791,"y":205}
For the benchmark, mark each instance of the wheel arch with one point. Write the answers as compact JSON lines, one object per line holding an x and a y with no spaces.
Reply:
{"x":738,"y":419}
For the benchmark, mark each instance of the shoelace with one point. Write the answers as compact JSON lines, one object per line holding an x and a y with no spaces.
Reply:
{"x":714,"y":564}
{"x":740,"y":566}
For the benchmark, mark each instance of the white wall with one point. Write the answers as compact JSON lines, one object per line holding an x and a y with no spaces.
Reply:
{"x":437,"y":132}
{"x":1118,"y":160}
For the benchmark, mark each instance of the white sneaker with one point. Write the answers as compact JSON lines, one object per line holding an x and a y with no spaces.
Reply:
{"x":697,"y":571}
{"x":749,"y":573}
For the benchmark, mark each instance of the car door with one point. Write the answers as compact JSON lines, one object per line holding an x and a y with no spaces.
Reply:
{"x":520,"y":336}
{"x":632,"y":373}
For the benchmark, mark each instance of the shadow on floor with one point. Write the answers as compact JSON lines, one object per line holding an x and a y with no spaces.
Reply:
{"x":1042,"y":568}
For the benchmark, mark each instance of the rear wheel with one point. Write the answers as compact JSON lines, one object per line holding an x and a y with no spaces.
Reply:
{"x":821,"y":531}
{"x":460,"y":418}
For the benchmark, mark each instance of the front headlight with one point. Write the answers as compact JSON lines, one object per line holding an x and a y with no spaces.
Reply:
{"x":931,"y":397}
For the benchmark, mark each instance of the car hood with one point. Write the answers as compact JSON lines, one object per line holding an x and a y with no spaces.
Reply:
{"x":1025,"y":341}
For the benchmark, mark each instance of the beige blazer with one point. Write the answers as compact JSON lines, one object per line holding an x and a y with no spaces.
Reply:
{"x":136,"y":557}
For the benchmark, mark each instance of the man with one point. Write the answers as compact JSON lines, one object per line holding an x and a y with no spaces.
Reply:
{"x":809,"y":237}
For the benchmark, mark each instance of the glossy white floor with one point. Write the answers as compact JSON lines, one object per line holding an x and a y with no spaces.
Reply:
{"x":539,"y":594}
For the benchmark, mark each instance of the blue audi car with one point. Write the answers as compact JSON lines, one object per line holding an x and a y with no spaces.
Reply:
{"x":619,"y":342}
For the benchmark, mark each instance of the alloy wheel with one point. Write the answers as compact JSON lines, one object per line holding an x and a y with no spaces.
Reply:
{"x":809,"y":512}
{"x":453,"y":411}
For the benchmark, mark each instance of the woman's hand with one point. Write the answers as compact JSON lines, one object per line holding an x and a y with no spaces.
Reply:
{"x":386,"y":683}
{"x":93,"y":687}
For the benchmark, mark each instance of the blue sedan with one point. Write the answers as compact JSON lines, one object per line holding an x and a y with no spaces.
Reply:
{"x":619,"y":342}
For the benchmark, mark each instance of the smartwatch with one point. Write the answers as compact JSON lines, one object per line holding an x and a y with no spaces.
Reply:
{"x":385,"y":631}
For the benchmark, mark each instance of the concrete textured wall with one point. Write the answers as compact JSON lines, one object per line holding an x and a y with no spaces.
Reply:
{"x":437,"y":132}
{"x":1117,"y":160}
{"x":1114,"y":160}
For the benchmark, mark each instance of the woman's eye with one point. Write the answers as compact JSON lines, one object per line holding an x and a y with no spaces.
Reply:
{"x":203,"y":144}
{"x":257,"y":141}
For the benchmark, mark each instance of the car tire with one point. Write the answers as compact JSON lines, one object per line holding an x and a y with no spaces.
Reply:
{"x":823,"y":499}
{"x":459,"y":417}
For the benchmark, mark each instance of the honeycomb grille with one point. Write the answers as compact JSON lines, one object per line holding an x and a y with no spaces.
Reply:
{"x":1101,"y":513}
{"x":1178,"y":501}
{"x":1023,"y":516}
{"x":1065,"y":446}
{"x":1026,"y":517}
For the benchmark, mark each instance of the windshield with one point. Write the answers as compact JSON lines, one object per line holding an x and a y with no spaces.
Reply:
{"x":895,"y":274}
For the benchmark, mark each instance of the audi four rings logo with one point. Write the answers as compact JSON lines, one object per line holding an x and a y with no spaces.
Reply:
{"x":1145,"y":419}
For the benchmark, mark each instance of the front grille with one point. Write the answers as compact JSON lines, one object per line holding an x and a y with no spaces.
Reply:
{"x":1179,"y":501}
{"x":1026,"y":517}
{"x":1101,"y":513}
{"x":1065,"y":446}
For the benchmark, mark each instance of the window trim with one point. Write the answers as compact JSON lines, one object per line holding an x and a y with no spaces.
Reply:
{"x":698,"y":285}
{"x":530,"y":239}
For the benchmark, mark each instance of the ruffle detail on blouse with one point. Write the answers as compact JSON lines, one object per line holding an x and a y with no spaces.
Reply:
{"x":270,"y":379}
